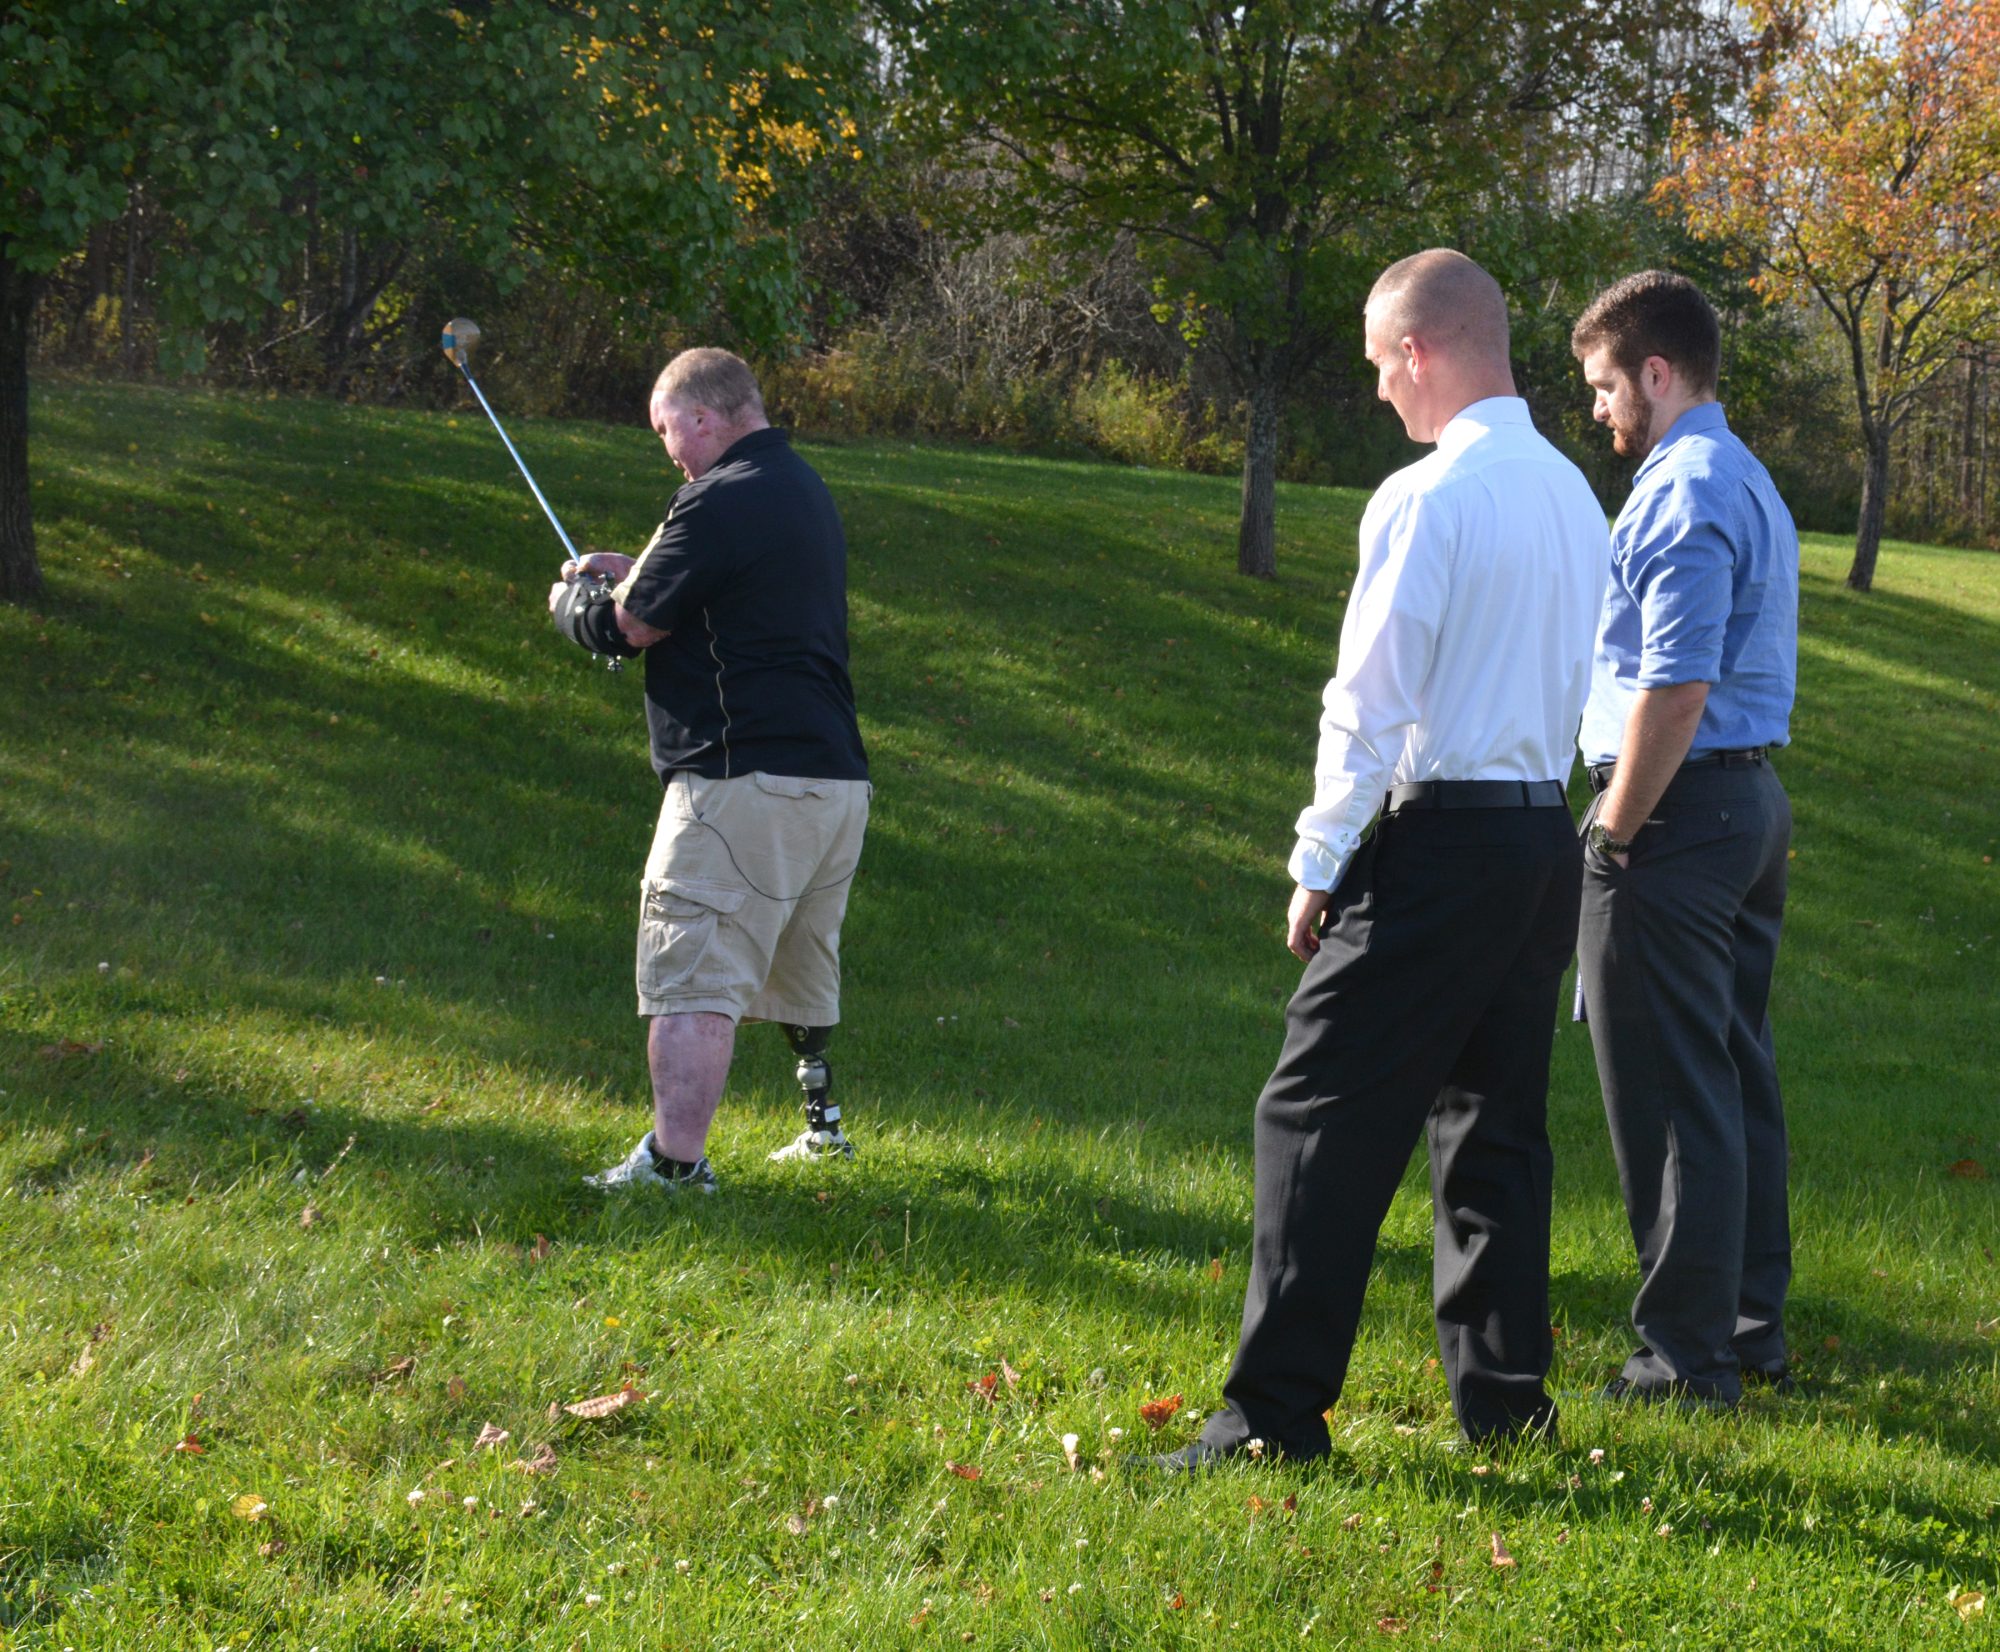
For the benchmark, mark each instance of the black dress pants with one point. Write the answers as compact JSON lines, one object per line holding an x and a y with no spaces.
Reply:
{"x":1676,"y":953}
{"x":1431,"y":1004}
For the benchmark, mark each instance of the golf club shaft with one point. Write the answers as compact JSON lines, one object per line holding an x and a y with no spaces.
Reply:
{"x":526,"y":474}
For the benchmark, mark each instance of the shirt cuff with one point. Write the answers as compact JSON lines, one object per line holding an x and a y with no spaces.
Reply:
{"x":1318,"y":865}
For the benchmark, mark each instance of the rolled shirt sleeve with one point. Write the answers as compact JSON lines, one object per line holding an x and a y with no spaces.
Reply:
{"x":1682,"y":574}
{"x":1388,"y":640}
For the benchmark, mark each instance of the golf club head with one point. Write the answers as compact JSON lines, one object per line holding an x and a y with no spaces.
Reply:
{"x":460,"y":335}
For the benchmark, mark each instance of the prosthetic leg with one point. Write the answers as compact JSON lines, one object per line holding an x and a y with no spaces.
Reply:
{"x":822,"y":1137}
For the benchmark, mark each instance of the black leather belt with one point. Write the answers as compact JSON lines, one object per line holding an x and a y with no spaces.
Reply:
{"x":1475,"y":794}
{"x":1749,"y":757}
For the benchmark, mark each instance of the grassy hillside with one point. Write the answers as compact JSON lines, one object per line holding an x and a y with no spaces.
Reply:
{"x":318,"y":863}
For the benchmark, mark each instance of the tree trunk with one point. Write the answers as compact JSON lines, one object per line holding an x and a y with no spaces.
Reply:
{"x":1874,"y":505}
{"x":20,"y":574}
{"x":1256,"y":545}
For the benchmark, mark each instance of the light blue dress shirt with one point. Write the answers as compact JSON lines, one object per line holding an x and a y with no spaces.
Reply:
{"x":1704,"y":589}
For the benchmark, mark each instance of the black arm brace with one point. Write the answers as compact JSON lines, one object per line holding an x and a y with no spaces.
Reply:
{"x":587,"y":614}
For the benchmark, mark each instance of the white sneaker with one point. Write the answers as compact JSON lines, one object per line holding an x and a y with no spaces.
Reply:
{"x":815,"y":1144}
{"x":637,"y":1169}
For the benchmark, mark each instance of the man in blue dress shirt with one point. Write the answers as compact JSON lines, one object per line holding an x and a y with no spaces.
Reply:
{"x":1685,"y":851}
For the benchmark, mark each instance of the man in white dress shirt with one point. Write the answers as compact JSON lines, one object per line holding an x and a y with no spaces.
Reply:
{"x":1434,"y":946}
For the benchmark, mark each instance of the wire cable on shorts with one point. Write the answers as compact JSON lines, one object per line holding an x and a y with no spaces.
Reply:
{"x":745,"y":876}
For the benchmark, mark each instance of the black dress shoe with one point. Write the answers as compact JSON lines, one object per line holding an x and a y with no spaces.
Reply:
{"x":1624,"y":1391}
{"x":1192,"y":1458}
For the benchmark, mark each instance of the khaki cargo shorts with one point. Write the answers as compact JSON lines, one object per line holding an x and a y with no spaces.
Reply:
{"x":744,"y":891}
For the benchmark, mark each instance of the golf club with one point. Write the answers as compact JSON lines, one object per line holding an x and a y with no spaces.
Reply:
{"x":460,"y":336}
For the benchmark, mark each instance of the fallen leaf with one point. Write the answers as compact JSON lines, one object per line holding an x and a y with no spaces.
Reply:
{"x":65,"y":1048}
{"x":1069,"y":1445}
{"x":542,"y":1247}
{"x":1968,"y":1604}
{"x":605,"y":1404}
{"x":490,"y":1436}
{"x":1214,"y":1268}
{"x":190,"y":1445}
{"x":965,"y":1471}
{"x":985,"y":1385}
{"x":543,"y":1461}
{"x":1177,"y":1604}
{"x":1155,"y":1413}
{"x":919,"y":1615}
{"x":1351,"y":1523}
{"x":1501,"y":1558}
{"x":1831,"y":1343}
{"x":555,"y":1411}
{"x":1291,"y":1504}
{"x":250,"y":1507}
{"x":400,"y":1368}
{"x":1013,"y":1377}
{"x":1256,"y":1505}
{"x":796,"y":1524}
{"x":455,"y":1390}
{"x":1390,"y":1626}
{"x":1969,"y":1170}
{"x":85,"y":1359}
{"x":309,"y":1217}
{"x":272,"y":1549}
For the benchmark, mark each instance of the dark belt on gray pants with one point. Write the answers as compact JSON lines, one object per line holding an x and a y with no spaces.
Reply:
{"x":1749,"y":757}
{"x":1475,"y":794}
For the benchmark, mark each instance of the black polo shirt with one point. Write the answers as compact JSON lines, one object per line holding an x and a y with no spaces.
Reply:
{"x":748,"y":576}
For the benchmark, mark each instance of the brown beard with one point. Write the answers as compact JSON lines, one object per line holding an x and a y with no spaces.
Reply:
{"x":1630,"y":437}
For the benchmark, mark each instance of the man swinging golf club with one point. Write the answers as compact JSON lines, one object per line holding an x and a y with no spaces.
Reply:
{"x":739,"y":606}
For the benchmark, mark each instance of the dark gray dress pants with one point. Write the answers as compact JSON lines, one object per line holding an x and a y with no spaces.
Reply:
{"x":1676,"y":953}
{"x":1430,"y":1005}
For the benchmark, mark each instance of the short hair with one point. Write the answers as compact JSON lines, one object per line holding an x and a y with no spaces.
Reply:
{"x":1654,"y":313}
{"x":1445,"y":299}
{"x":719,"y":380}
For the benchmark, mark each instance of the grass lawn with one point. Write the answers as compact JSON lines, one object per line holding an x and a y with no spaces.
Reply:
{"x":318,"y":866}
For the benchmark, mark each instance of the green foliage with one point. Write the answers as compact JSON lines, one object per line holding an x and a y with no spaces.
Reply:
{"x":313,"y":831}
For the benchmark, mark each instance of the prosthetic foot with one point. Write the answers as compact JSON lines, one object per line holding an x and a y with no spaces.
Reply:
{"x":822,"y":1137}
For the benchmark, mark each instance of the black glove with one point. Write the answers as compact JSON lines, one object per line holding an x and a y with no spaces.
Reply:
{"x":587,"y":614}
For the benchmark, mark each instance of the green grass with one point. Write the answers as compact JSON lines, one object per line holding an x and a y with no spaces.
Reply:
{"x":318,"y":862}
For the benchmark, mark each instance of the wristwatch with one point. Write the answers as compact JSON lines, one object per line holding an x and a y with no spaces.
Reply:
{"x":1604,"y":843}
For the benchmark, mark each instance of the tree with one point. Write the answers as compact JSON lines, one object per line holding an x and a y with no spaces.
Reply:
{"x":1866,"y":177}
{"x":664,"y":157}
{"x":1267,"y":154}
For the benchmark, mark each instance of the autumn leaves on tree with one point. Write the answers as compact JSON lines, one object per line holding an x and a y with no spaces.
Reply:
{"x":1865,"y":178}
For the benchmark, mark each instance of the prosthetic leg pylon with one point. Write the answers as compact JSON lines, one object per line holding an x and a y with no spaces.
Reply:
{"x":822,"y":1137}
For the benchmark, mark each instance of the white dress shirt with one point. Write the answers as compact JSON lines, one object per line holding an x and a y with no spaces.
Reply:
{"x":1465,"y":651}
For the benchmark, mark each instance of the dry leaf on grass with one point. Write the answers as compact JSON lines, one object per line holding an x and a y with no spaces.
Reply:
{"x":455,"y":1390}
{"x":250,"y":1507}
{"x":1390,"y":1626}
{"x":399,"y":1368}
{"x":985,"y":1386}
{"x":1156,"y":1413}
{"x":605,"y":1404}
{"x":542,"y":1462}
{"x":188,"y":1444}
{"x":309,"y":1217}
{"x":1351,"y":1523}
{"x":1501,"y":1558}
{"x":1968,"y":1170}
{"x":542,"y":1247}
{"x":490,"y":1436}
{"x":965,"y":1471}
{"x":1013,"y":1377}
{"x":1968,"y":1604}
{"x":797,"y":1525}
{"x":1214,"y":1269}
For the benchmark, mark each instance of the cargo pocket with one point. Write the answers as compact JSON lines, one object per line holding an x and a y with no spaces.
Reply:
{"x":678,"y":919}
